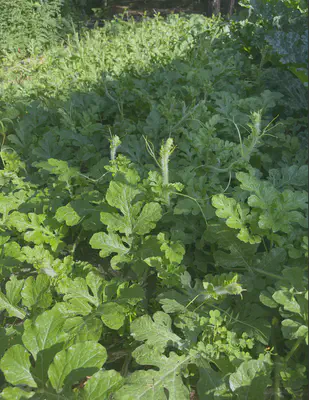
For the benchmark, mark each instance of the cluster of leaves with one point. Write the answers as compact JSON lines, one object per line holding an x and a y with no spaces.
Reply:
{"x":28,"y":26}
{"x":278,"y":30}
{"x":131,"y":270}
{"x":116,"y":49}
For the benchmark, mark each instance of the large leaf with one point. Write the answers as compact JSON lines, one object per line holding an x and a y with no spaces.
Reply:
{"x":76,"y":362}
{"x":121,"y":195}
{"x":68,"y":215}
{"x":38,"y":256}
{"x":116,"y":222}
{"x":101,"y":385}
{"x":134,"y":218}
{"x":15,"y":393}
{"x":221,"y":285}
{"x":251,"y":379}
{"x":74,"y":307}
{"x":293,"y":330}
{"x":13,"y":290}
{"x":265,"y":193}
{"x":151,"y":384}
{"x":174,"y":251}
{"x":9,"y":302}
{"x":272,"y":204}
{"x":15,"y":365}
{"x":146,"y":221}
{"x":157,"y":332}
{"x":302,"y":74}
{"x":237,"y":217}
{"x":236,"y":253}
{"x":44,"y":332}
{"x":287,"y":300}
{"x":83,"y":329}
{"x":59,"y":168}
{"x":36,"y":292}
{"x":108,"y":244}
{"x":19,"y":221}
{"x":12,"y":310}
{"x":76,"y":211}
{"x":77,"y":289}
{"x":112,"y":314}
{"x":44,"y":337}
{"x":213,"y":381}
{"x":287,"y":176}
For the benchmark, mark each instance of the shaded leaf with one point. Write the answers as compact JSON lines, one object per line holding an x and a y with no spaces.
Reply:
{"x":36,"y":292}
{"x":112,"y":314}
{"x":12,"y":310}
{"x":251,"y":379}
{"x":76,"y":362}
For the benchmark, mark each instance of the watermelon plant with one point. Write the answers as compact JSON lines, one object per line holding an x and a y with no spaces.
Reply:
{"x":153,"y":218}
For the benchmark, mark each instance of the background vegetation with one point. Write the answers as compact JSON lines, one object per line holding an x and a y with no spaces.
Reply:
{"x":153,"y":204}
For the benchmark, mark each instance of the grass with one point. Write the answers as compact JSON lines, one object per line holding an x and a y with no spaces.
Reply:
{"x":117,"y":49}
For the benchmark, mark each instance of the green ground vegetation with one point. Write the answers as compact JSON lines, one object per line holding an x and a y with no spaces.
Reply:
{"x":153,"y":205}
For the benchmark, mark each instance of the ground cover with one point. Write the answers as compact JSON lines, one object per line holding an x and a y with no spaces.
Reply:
{"x":153,"y":216}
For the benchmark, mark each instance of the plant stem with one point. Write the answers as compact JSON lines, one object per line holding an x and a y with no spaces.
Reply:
{"x":198,"y":204}
{"x":278,"y":277}
{"x":277,"y":391}
{"x":275,"y":331}
{"x":293,"y":349}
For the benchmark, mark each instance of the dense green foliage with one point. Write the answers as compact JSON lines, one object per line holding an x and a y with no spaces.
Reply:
{"x":153,"y":217}
{"x":279,"y":31}
{"x":28,"y":25}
